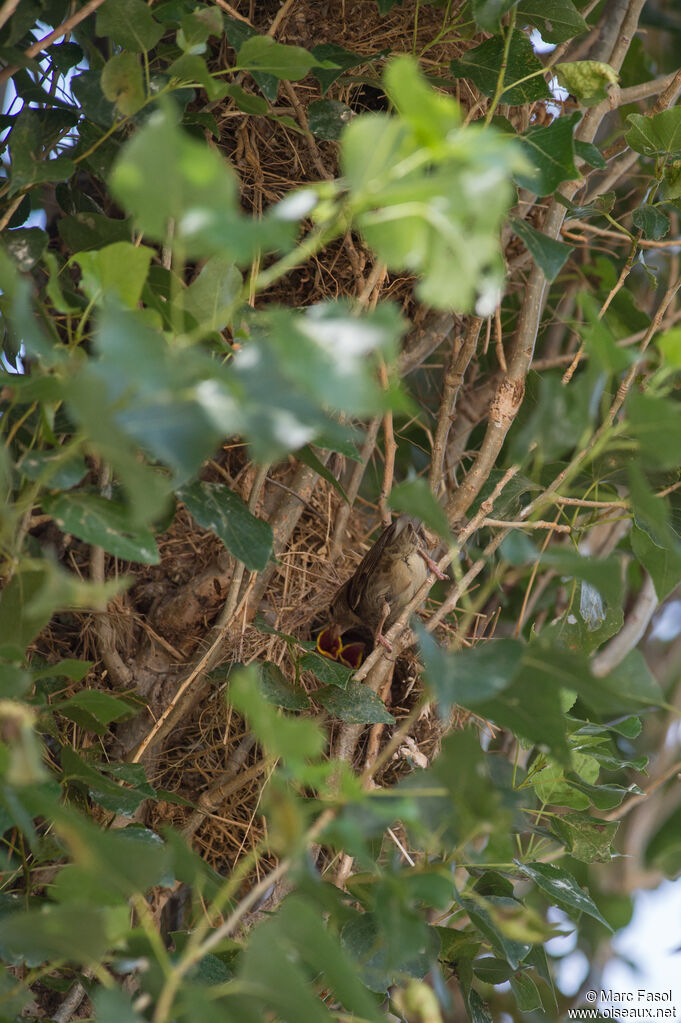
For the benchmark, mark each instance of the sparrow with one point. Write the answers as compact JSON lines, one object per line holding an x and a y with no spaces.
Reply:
{"x":382,"y":585}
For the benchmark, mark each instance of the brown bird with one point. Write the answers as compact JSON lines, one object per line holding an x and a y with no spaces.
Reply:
{"x":382,"y":585}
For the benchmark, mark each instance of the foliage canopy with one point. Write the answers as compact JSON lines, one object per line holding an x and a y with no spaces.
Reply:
{"x":260,"y":269}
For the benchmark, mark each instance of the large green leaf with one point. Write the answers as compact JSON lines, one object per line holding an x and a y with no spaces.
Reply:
{"x":588,"y":839}
{"x":276,"y":688}
{"x":659,"y":135}
{"x":293,"y":739}
{"x":211,"y":297}
{"x":469,"y":677}
{"x":26,"y":148}
{"x":550,"y":154}
{"x":562,"y":887}
{"x":216,"y":507}
{"x":663,"y":563}
{"x":428,"y":195}
{"x":356,"y":703}
{"x":330,"y":53}
{"x":557,"y":20}
{"x":122,"y":83}
{"x":119,"y":269}
{"x":94,"y":710}
{"x":488,"y":13}
{"x":199,"y":188}
{"x":129,"y":23}
{"x":102,"y":523}
{"x":549,"y":255}
{"x":78,"y":932}
{"x":656,"y":424}
{"x":588,"y":80}
{"x":264,"y":55}
{"x":483,"y":63}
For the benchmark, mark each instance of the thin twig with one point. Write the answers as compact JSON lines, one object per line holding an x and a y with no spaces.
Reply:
{"x":534,"y":524}
{"x":621,"y":811}
{"x":51,"y":37}
{"x":457,"y":364}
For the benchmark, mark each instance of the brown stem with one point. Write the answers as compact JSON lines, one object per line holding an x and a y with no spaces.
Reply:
{"x":457,"y":364}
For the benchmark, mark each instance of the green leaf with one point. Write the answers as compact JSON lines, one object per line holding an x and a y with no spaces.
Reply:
{"x":327,"y":118}
{"x":632,"y":682}
{"x":482,"y":66}
{"x":656,"y":425}
{"x":68,"y":668}
{"x":199,"y":188}
{"x":128,"y":23}
{"x":307,"y":456}
{"x":651,"y":512}
{"x":652,"y":221}
{"x":80,"y":933}
{"x":216,"y":507}
{"x":94,"y":710}
{"x":486,"y":914}
{"x":120,"y":269}
{"x":276,"y":688}
{"x":84,"y":231}
{"x":477,"y":1008}
{"x":550,"y":154}
{"x":14,"y":681}
{"x":488,"y":13}
{"x":87,"y":88}
{"x":323,"y":352}
{"x":536,"y":715}
{"x":293,"y":739}
{"x":469,"y":677}
{"x":562,"y":887}
{"x":112,"y":1005}
{"x":590,"y":154}
{"x":326,"y":670}
{"x":586,"y":838}
{"x":356,"y":704}
{"x":525,"y":992}
{"x":25,"y":245}
{"x":123,"y":84}
{"x":416,"y":498}
{"x":197,"y":27}
{"x":491,"y":970}
{"x":331,"y":54}
{"x":107,"y":793}
{"x":246,"y":101}
{"x":102,"y":523}
{"x":588,"y":80}
{"x":174,"y":401}
{"x":238,"y":32}
{"x":659,"y":135}
{"x":190,"y":68}
{"x":670,"y":186}
{"x":557,"y":20}
{"x":26,"y":149}
{"x":264,"y":55}
{"x":663,"y":564}
{"x":58,"y":468}
{"x":443,"y":190}
{"x":549,"y":255}
{"x":212,"y":296}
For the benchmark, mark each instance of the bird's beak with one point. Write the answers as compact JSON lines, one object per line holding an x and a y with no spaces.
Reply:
{"x":352,"y":655}
{"x":329,"y":643}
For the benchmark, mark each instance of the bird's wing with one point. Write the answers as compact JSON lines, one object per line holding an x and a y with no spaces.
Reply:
{"x":367,"y":566}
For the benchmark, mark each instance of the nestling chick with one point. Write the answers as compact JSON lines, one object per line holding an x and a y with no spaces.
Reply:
{"x":384,"y":582}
